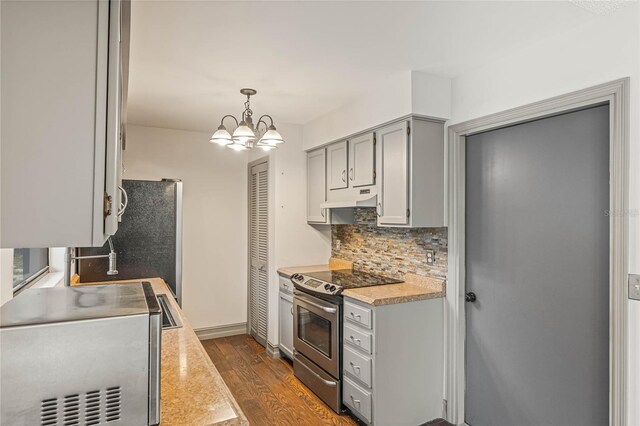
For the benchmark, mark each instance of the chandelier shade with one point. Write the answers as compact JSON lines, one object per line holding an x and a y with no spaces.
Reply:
{"x":271,"y":137}
{"x":221,"y":136}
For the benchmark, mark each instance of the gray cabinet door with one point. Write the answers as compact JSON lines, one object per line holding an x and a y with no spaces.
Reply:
{"x":393,"y":183}
{"x":286,"y":324}
{"x":337,"y":165}
{"x":316,"y":186}
{"x":361,"y":160}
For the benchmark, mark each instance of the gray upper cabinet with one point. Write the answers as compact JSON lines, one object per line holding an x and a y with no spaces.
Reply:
{"x":393,"y":163}
{"x":316,"y":186}
{"x":411,"y":181}
{"x":62,"y":121}
{"x":337,"y":159}
{"x":361,"y":160}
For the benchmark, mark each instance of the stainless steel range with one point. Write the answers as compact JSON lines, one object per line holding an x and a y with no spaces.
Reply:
{"x":317,"y":325}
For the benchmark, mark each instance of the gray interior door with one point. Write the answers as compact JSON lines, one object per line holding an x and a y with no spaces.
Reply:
{"x":537,"y":259}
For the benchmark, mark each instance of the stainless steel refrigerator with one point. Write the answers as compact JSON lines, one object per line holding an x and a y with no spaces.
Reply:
{"x":149,"y":238}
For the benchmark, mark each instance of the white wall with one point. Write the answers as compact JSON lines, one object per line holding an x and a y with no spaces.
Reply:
{"x":294,"y":242}
{"x":411,"y":92}
{"x":596,"y":53}
{"x":214,"y":286}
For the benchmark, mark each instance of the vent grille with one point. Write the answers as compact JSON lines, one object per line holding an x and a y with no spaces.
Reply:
{"x":113,"y":404}
{"x":91,"y":409}
{"x":71,"y":410}
{"x":49,"y":412}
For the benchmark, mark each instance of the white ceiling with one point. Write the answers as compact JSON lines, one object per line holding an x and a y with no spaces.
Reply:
{"x":190,"y":58}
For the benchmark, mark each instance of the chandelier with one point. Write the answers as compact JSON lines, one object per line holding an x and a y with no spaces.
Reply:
{"x":246,"y":133}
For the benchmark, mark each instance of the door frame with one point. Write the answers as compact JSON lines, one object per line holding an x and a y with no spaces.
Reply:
{"x":250,"y":165}
{"x":616,"y":94}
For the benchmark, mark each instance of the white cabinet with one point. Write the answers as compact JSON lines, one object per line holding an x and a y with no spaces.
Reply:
{"x":337,"y":157}
{"x":61,"y":121}
{"x":285,"y":317}
{"x":411,"y":174}
{"x":316,"y":186}
{"x":361,"y":160}
{"x":393,"y":361}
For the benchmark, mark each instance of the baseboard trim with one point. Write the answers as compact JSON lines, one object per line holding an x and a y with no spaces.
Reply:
{"x":273,"y":351}
{"x":221,"y":331}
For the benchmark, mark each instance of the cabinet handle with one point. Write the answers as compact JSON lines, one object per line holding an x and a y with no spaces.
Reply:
{"x":354,"y":366}
{"x":355,"y":315}
{"x":292,"y":310}
{"x":353,"y":339}
{"x":356,"y":401}
{"x":351,"y":173}
{"x":322,"y":212}
{"x":344,"y":173}
{"x":379,"y":210}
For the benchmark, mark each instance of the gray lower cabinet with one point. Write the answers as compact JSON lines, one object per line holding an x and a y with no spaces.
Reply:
{"x":285,"y":317}
{"x":64,"y":77}
{"x":393,"y":360}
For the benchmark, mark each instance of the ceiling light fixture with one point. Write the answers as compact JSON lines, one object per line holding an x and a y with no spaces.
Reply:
{"x":246,"y":133}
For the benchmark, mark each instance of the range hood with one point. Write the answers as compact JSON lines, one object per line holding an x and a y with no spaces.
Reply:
{"x":358,"y":200}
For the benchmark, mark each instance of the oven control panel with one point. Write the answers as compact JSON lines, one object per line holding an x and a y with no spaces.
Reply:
{"x":315,"y":285}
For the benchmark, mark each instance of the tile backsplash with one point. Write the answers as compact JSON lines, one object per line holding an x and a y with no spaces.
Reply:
{"x":389,"y":251}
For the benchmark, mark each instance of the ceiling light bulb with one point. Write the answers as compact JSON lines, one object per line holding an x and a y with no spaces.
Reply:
{"x":237,"y":147}
{"x":221,"y":136}
{"x":267,"y":147}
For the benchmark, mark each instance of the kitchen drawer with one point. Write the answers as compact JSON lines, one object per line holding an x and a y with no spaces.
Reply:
{"x":357,"y":399}
{"x":356,"y":337}
{"x":358,"y":315}
{"x":357,"y":365}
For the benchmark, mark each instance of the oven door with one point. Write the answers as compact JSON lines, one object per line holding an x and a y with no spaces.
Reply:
{"x":316,"y":331}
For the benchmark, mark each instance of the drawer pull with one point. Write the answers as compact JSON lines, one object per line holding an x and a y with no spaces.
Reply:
{"x":354,"y":315}
{"x":353,"y":339}
{"x":356,"y":401}
{"x":354,"y":366}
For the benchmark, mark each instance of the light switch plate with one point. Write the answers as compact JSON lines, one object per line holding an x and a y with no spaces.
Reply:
{"x":634,"y":286}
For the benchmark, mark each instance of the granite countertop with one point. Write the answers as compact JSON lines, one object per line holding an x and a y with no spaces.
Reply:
{"x":192,"y":390}
{"x":415,"y":287}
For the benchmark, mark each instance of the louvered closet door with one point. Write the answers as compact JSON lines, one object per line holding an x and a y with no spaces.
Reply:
{"x":258,"y":237}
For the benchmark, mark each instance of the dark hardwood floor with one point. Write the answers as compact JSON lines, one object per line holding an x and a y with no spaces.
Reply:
{"x":265,"y":388}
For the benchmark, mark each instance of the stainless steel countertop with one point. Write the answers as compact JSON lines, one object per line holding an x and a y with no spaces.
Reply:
{"x":61,"y":304}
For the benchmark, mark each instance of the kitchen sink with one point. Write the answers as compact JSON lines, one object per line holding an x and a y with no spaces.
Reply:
{"x":170,"y":318}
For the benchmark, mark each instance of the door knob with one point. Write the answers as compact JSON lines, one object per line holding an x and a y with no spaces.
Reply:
{"x":470,"y":297}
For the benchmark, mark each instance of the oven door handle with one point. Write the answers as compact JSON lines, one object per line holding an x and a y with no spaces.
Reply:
{"x":326,"y":382}
{"x":324,"y":308}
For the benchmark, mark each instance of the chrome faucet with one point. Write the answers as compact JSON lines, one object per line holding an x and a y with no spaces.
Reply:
{"x":69,"y":257}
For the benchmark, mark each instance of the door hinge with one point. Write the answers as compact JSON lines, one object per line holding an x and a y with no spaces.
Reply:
{"x":107,"y":205}
{"x":408,"y":212}
{"x":444,"y":408}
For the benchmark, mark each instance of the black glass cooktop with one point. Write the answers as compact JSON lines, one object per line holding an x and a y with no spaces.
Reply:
{"x":347,"y":278}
